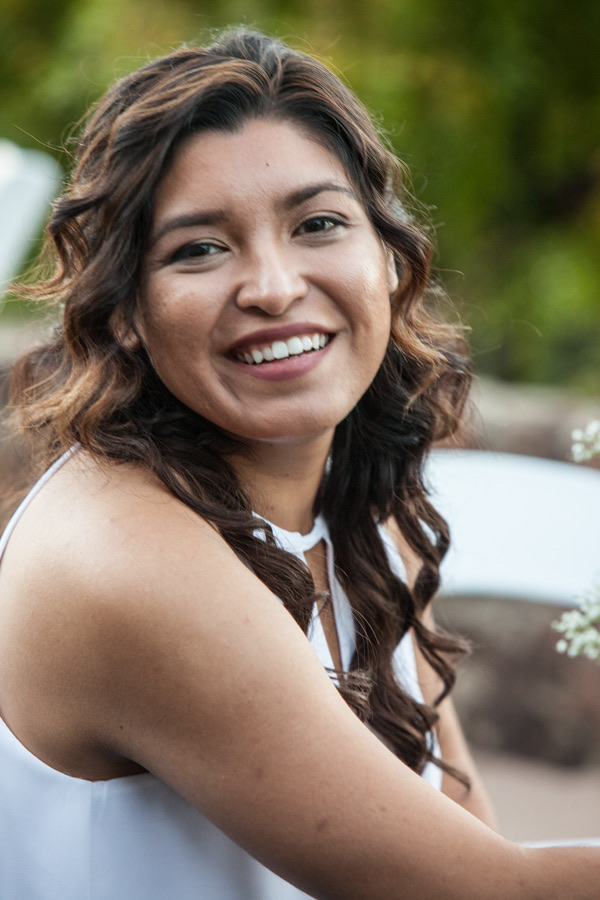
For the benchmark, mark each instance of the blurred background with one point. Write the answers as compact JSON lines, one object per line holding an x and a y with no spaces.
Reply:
{"x":495,"y":108}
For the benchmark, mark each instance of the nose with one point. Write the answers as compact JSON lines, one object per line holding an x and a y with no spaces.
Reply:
{"x":271,"y":281}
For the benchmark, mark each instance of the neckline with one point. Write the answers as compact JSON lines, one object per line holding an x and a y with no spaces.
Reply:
{"x":295,"y":542}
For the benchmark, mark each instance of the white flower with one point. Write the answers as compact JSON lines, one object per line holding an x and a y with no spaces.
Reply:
{"x":580,"y":627}
{"x":586,"y":442}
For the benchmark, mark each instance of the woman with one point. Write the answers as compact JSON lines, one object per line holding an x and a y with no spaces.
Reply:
{"x":237,"y":407}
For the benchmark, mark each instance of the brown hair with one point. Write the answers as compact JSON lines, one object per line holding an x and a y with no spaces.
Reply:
{"x":93,"y":383}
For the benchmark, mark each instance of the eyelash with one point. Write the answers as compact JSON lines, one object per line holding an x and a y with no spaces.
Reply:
{"x":333,"y":221}
{"x":189,"y":251}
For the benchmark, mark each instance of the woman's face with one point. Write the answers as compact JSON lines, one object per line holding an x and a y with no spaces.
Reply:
{"x":265,"y":296}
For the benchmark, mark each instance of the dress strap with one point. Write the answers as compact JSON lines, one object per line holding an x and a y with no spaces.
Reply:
{"x":32,"y":493}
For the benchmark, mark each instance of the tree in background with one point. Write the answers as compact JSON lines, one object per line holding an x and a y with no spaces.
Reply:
{"x":494,"y":105}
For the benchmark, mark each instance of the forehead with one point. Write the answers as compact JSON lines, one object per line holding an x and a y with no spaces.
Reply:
{"x":265,"y":158}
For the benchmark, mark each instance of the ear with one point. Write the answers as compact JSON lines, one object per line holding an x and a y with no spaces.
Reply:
{"x":391,"y":271}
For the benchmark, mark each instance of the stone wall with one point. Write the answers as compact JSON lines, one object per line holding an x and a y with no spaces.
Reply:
{"x":515,"y":693}
{"x":534,"y":420}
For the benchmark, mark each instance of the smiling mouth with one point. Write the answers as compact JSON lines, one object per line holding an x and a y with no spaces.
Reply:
{"x":294,"y":346}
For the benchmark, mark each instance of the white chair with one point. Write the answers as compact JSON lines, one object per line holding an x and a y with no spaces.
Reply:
{"x":521,"y":527}
{"x":29,"y":179}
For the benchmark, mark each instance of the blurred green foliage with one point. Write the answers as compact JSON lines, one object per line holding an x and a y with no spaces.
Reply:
{"x":495,"y":106}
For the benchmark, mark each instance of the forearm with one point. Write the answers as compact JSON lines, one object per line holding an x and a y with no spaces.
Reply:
{"x":561,"y":872}
{"x":455,"y":751}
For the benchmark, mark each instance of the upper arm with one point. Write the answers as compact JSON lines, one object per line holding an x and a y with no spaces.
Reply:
{"x":215,"y":689}
{"x":173,"y":654}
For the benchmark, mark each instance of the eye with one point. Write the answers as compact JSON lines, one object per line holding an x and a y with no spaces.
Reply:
{"x":196,"y":250}
{"x":317,"y":224}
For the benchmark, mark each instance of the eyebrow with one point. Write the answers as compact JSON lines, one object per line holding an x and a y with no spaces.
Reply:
{"x":190,"y":221}
{"x":296,"y":198}
{"x":215,"y":217}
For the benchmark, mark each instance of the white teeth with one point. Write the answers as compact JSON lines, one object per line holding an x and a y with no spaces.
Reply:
{"x":294,"y":346}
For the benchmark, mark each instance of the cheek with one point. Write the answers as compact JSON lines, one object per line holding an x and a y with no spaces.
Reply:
{"x":165,"y":311}
{"x":376,"y":305}
{"x":371,"y":339}
{"x":167,"y":343}
{"x":380,"y":318}
{"x":381,"y":339}
{"x":172,"y":320}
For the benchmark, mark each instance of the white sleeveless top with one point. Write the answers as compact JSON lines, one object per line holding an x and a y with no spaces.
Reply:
{"x":133,"y":838}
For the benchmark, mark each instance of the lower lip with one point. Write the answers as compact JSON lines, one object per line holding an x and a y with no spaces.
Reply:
{"x":288,"y":368}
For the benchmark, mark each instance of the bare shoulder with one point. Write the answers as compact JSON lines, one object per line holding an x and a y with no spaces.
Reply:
{"x":100,"y":494}
{"x":105,"y":575}
{"x":95,"y":515}
{"x":103,"y":533}
{"x":90,"y":532}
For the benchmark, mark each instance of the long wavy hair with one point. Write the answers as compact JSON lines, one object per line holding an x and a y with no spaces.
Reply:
{"x":92,"y":383}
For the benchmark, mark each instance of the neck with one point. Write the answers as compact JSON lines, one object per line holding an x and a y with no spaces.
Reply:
{"x":282,"y":480}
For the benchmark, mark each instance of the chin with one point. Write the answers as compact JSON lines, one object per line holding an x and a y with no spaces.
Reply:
{"x":286,"y":432}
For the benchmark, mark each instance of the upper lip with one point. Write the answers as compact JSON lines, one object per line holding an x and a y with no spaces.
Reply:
{"x":280,"y":333}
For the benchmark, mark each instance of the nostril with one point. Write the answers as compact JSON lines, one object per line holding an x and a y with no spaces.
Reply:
{"x":272,"y":290}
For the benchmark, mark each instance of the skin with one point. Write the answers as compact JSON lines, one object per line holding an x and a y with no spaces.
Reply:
{"x":134,"y":631}
{"x":282,"y":254}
